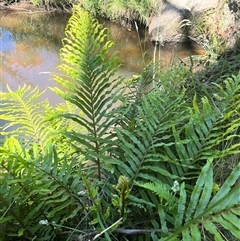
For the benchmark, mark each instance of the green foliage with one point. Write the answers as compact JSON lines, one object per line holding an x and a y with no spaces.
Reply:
{"x":91,"y":85}
{"x":112,"y":157}
{"x":31,"y":120}
{"x":203,"y":213}
{"x":48,"y":4}
{"x":23,"y":112}
{"x":125,"y":11}
{"x":38,"y":187}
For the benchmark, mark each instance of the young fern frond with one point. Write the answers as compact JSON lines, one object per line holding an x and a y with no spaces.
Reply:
{"x":162,"y":191}
{"x":89,"y":83}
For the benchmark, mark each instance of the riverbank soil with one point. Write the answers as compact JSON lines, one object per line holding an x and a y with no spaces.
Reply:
{"x":18,"y":6}
{"x":28,"y":6}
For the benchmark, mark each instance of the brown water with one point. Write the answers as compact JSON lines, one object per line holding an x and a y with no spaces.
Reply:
{"x":30,"y":43}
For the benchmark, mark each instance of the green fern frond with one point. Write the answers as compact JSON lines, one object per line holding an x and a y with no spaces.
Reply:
{"x":137,"y":88}
{"x":34,"y":121}
{"x":201,"y":214}
{"x":23,"y":113}
{"x":53,"y":112}
{"x":43,"y":187}
{"x":169,"y":138}
{"x":205,"y":213}
{"x":89,"y":83}
{"x":152,"y":129}
{"x":58,"y":124}
{"x":219,"y":123}
{"x":168,"y":141}
{"x":159,"y":189}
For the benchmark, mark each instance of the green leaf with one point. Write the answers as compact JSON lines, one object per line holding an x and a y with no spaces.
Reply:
{"x":195,"y":233}
{"x":6,"y":219}
{"x":206,"y":170}
{"x":211,"y":228}
{"x":162,"y":216}
{"x":181,"y":206}
{"x":229,"y":224}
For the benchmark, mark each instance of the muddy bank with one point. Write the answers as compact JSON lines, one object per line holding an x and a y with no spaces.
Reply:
{"x":29,"y":7}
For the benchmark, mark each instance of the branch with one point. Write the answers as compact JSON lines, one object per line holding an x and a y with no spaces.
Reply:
{"x":119,"y":230}
{"x":137,"y":231}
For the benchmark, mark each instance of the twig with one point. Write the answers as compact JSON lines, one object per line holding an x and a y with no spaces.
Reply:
{"x":138,"y":231}
{"x":105,"y":230}
{"x":126,"y":231}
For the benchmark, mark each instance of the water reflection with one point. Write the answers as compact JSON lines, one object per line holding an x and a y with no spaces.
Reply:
{"x":136,"y":50}
{"x":6,"y":40}
{"x":30,"y":45}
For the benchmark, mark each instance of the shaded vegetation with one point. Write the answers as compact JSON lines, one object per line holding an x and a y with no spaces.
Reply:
{"x":120,"y":161}
{"x":125,"y":11}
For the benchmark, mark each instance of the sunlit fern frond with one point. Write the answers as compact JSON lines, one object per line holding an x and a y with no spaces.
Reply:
{"x":30,"y":119}
{"x":89,"y":82}
{"x":57,"y":125}
{"x":52,"y":112}
{"x":22,"y":113}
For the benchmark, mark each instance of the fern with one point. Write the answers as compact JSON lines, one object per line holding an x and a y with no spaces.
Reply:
{"x":44,"y":187}
{"x":22,"y":112}
{"x":150,"y":140}
{"x":168,"y":138}
{"x":91,"y":84}
{"x":205,"y":213}
{"x":31,"y":120}
{"x":152,"y":129}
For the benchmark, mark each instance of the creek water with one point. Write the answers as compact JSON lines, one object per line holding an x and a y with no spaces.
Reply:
{"x":30,"y":44}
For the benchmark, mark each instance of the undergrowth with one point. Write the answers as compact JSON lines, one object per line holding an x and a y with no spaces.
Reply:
{"x":117,"y":162}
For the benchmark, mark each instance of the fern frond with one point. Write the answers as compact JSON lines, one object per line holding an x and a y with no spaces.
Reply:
{"x":89,"y":83}
{"x":204,"y":212}
{"x":33,"y":121}
{"x":152,"y":130}
{"x":161,"y":190}
{"x":53,"y":112}
{"x":168,"y":140}
{"x":171,"y":138}
{"x":43,"y":187}
{"x":23,"y":113}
